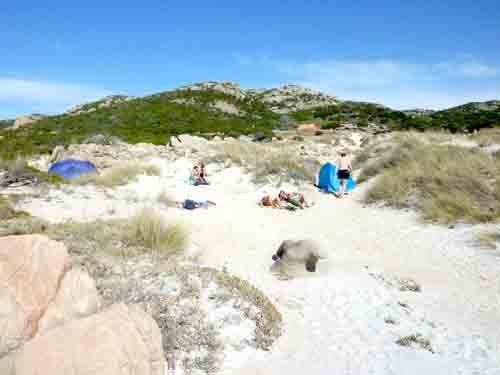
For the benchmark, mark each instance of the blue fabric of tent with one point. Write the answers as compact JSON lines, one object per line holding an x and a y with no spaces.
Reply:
{"x":72,"y":168}
{"x":329,"y":182}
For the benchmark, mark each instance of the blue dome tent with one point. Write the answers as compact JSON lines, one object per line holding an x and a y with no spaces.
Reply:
{"x":71,"y":168}
{"x":329,"y":182}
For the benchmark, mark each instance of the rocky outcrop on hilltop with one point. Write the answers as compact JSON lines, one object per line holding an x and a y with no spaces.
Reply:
{"x":281,"y":100}
{"x":419,"y":112}
{"x":291,"y":98}
{"x":491,"y":105}
{"x":27,"y":120}
{"x":225,"y":87}
{"x":106,"y":102}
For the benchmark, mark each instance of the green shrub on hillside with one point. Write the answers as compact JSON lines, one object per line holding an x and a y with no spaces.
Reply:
{"x":151,"y":120}
{"x":361,"y":114}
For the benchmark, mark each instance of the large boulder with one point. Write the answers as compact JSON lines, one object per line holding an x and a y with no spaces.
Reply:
{"x":119,"y":340}
{"x":38,"y":289}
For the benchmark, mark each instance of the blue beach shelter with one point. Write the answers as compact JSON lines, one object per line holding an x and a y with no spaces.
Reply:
{"x":71,"y":168}
{"x":329,"y":182}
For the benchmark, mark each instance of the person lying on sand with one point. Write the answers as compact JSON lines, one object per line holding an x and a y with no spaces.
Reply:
{"x":267,"y":201}
{"x":296,"y":199}
{"x":344,"y":170}
{"x":190,"y":204}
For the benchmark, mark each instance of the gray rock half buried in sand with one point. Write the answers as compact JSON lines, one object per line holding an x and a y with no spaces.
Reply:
{"x":306,"y":251}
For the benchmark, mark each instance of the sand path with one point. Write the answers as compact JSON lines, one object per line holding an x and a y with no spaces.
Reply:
{"x":335,"y":320}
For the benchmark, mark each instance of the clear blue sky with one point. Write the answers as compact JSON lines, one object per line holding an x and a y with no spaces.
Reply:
{"x":55,"y":54}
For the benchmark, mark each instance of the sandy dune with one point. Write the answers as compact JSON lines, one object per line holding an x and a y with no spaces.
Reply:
{"x":336,"y":321}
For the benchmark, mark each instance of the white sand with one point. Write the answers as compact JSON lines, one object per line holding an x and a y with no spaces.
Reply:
{"x":334,"y":319}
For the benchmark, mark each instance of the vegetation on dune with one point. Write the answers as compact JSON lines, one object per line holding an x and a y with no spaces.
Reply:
{"x":262,"y":160}
{"x":19,"y":166}
{"x":446,"y":183}
{"x":146,"y":232}
{"x":165,"y":199}
{"x":487,"y":137}
{"x":489,"y":239}
{"x":151,"y":120}
{"x":149,"y":229}
{"x":118,"y":176}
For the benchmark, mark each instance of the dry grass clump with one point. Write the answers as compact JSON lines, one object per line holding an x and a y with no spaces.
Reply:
{"x":489,"y":239}
{"x":447,"y":183}
{"x":23,"y":225}
{"x":268,"y":322}
{"x":118,"y":176}
{"x":416,"y":340}
{"x":384,"y":157}
{"x":145,"y":232}
{"x":165,"y":199}
{"x":262,"y":160}
{"x":150,"y":230}
{"x":7,"y":212}
{"x":487,"y":137}
{"x":17,"y":165}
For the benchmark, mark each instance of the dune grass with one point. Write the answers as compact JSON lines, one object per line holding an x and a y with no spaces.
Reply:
{"x":19,"y":166}
{"x":6,"y":211}
{"x":150,"y":230}
{"x":165,"y":199}
{"x":118,"y":176}
{"x":262,"y":160}
{"x":146,"y":232}
{"x":489,"y":239}
{"x":487,"y":137}
{"x":15,"y":165}
{"x":446,"y":183}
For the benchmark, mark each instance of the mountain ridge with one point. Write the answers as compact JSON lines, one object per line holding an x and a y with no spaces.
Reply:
{"x":223,"y":108}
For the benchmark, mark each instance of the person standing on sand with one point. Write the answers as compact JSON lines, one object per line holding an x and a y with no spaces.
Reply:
{"x":344,"y":169}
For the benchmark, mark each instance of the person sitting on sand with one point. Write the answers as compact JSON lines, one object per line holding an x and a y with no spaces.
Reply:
{"x":296,"y":199}
{"x":344,"y":170}
{"x":198,"y":176}
{"x":195,"y":174}
{"x":203,"y":175}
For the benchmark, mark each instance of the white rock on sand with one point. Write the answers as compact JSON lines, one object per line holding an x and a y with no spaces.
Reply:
{"x":335,"y":321}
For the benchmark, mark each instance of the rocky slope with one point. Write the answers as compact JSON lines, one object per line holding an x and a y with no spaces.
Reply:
{"x":281,"y":100}
{"x":106,"y":102}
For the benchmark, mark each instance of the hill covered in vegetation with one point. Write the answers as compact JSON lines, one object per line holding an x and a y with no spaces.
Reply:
{"x":152,"y":119}
{"x":210,"y":108}
{"x":468,"y":117}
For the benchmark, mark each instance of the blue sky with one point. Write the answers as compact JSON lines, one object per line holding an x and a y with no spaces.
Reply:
{"x":436,"y":54}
